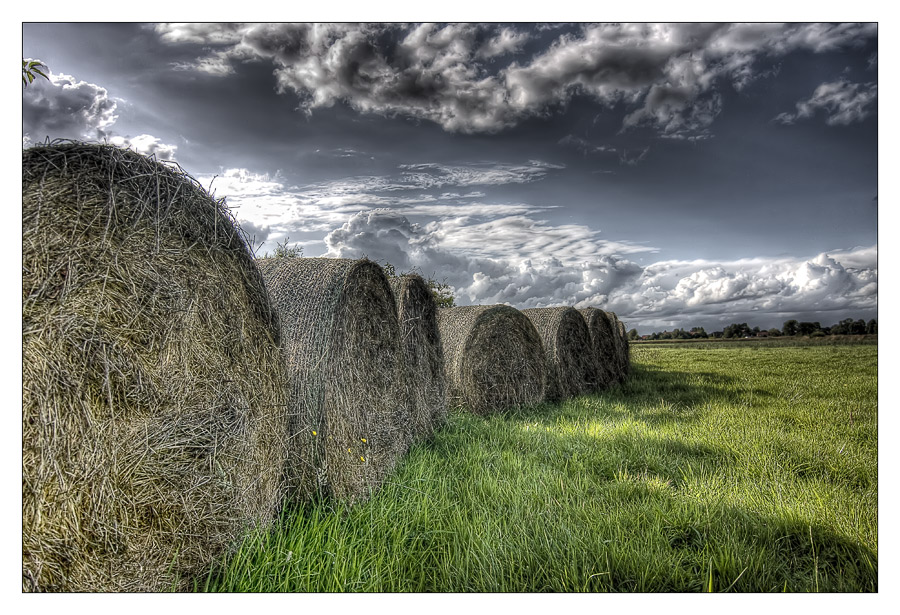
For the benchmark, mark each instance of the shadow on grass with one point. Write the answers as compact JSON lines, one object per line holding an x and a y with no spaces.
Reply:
{"x":652,"y":395}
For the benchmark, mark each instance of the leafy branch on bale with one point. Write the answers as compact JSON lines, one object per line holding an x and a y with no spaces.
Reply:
{"x":443,"y":295}
{"x":283,"y":251}
{"x":30,"y":68}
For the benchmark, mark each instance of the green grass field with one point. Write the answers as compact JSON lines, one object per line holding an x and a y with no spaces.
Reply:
{"x":743,"y":468}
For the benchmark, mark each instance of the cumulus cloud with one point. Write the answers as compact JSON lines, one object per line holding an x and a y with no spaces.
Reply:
{"x":416,"y":190}
{"x":477,"y":78}
{"x":504,"y":253}
{"x":842,"y":102}
{"x":147,"y":145}
{"x":536,"y":265}
{"x":508,"y":259}
{"x":65,"y":108}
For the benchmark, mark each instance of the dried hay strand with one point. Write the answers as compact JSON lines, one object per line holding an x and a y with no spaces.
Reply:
{"x":153,"y":391}
{"x":341,"y":343}
{"x":603,"y":339}
{"x":493,"y":357}
{"x":571,"y":361}
{"x":425,"y":383}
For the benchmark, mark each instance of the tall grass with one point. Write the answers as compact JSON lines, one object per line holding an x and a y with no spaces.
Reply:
{"x":725,"y":469}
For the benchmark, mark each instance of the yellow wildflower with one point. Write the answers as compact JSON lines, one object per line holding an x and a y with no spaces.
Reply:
{"x":362,"y":458}
{"x":362,"y":439}
{"x":314,"y":432}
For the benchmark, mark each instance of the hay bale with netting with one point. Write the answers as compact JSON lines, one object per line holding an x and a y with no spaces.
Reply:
{"x":493,"y":357}
{"x":341,"y":343}
{"x":153,"y":392}
{"x":420,"y":339}
{"x":603,"y":339}
{"x":626,"y":347}
{"x":621,"y":343}
{"x":571,"y":362}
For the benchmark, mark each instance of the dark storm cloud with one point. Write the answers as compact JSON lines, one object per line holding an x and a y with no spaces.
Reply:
{"x":670,"y":74}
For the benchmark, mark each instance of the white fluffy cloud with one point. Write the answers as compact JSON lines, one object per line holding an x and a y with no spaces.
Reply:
{"x":63,"y":107}
{"x":147,"y":145}
{"x":843,"y":103}
{"x":504,"y":253}
{"x":475,"y":78}
{"x":532,"y":264}
{"x":264,"y":201}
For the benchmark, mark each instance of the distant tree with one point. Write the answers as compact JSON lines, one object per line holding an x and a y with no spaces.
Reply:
{"x":441,"y":292}
{"x":633,"y":335}
{"x":698,"y":332}
{"x":774,"y":332}
{"x":872,"y":327}
{"x":30,"y":68}
{"x":790,"y":327}
{"x":737,"y":330}
{"x":443,"y":296}
{"x":808,"y":328}
{"x":858,"y":327}
{"x":283,"y":251}
{"x":717,"y":335}
{"x":842,"y":328}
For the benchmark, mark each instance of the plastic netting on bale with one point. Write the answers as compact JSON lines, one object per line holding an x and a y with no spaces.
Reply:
{"x":571,"y":362}
{"x":425,"y":384}
{"x":603,"y":338}
{"x":153,"y":418}
{"x":493,"y":357}
{"x":341,"y":343}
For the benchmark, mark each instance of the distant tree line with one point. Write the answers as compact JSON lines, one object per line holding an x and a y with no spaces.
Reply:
{"x":848,"y":326}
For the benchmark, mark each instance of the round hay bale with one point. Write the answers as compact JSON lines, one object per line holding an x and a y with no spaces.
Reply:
{"x":621,"y":344}
{"x":571,"y":361}
{"x":626,"y":347}
{"x":603,"y":339}
{"x":493,"y":357}
{"x":341,"y":342}
{"x":153,"y":390}
{"x":425,"y":383}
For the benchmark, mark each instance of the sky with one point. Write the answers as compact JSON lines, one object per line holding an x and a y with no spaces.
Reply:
{"x":679,"y":175}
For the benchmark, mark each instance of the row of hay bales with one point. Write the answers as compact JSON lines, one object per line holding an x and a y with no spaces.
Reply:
{"x":497,"y":356}
{"x":177,"y":391}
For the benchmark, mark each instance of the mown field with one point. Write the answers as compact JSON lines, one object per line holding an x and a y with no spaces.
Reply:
{"x":717,"y":467}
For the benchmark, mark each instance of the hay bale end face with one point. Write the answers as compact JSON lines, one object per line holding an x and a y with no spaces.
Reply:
{"x":342,"y":350}
{"x":493,"y":357}
{"x":603,"y":338}
{"x":420,"y":339}
{"x":571,"y":361}
{"x":153,"y":391}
